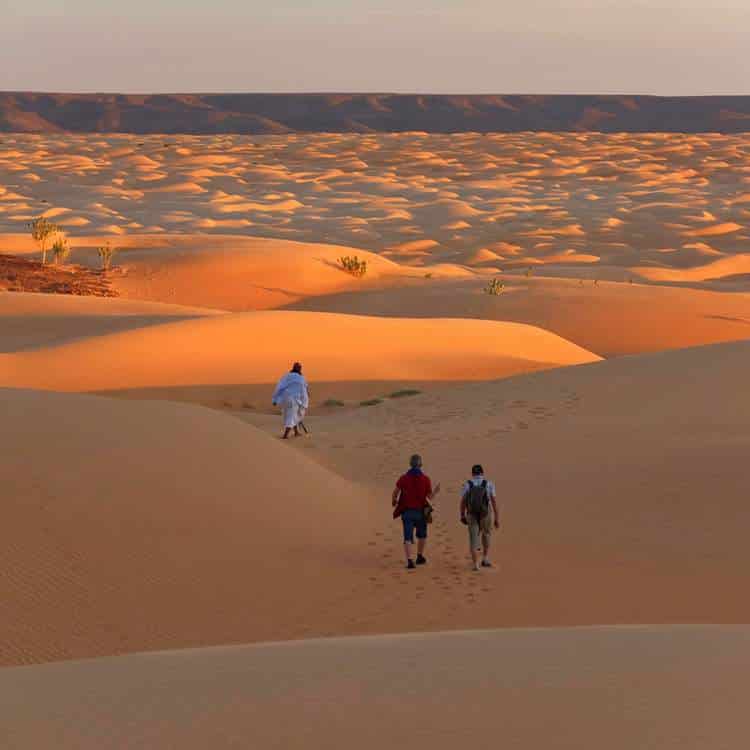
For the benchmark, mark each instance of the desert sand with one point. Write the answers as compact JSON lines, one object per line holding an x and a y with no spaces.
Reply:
{"x":620,"y":688}
{"x":149,"y":505}
{"x":606,"y":469}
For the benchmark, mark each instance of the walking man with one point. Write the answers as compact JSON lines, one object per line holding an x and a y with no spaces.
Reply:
{"x":411,"y":500}
{"x":292,"y":395}
{"x":479,"y":512}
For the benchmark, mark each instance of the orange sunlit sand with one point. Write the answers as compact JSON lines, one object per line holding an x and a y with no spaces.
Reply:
{"x":149,"y":505}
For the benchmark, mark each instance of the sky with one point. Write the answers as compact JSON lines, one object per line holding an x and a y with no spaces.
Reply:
{"x":669,"y":47}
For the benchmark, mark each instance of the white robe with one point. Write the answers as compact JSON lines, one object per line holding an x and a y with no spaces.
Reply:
{"x":291,"y":394}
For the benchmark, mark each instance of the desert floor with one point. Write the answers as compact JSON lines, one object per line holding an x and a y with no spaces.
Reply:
{"x":197,"y":582}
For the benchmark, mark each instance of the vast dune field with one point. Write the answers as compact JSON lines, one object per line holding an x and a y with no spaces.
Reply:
{"x":149,"y":505}
{"x":603,"y":203}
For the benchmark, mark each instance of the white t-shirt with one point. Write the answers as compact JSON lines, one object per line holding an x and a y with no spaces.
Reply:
{"x":476,"y":481}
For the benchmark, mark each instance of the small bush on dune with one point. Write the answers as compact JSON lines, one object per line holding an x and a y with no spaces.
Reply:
{"x":106,"y":252}
{"x":42,"y":231}
{"x":60,"y":249}
{"x":494,"y":287}
{"x":353,"y":265}
{"x":404,"y":392}
{"x":333,"y":402}
{"x":371,"y":402}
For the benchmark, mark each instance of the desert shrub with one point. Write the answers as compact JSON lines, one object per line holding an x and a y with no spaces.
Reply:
{"x":529,"y":272}
{"x":428,"y":275}
{"x":404,"y":392}
{"x":371,"y":402}
{"x":42,"y":231}
{"x":353,"y":265}
{"x":333,"y":402}
{"x":494,"y":287}
{"x":106,"y":252}
{"x":60,"y":249}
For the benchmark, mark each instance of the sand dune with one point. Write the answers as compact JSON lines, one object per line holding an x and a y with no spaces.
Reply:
{"x":257,"y":347}
{"x":558,"y":199}
{"x":29,"y":321}
{"x":607,"y":318}
{"x":241,"y":273}
{"x":622,"y":482}
{"x":619,"y":688}
{"x":723,"y":268}
{"x":131,"y":526}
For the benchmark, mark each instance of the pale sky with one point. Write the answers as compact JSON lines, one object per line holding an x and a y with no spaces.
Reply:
{"x":426,"y":46}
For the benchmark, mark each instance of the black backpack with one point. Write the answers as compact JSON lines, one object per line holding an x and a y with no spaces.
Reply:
{"x":478,"y":499}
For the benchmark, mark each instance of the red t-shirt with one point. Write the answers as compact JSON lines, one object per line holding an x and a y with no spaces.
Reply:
{"x":415,"y":489}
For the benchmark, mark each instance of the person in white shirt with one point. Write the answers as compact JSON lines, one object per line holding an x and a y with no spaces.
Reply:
{"x":479,"y":512}
{"x":292,"y":395}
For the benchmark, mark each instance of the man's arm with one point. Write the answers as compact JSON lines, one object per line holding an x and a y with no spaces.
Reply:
{"x":396,"y":496}
{"x":496,"y":512}
{"x":463,"y":507}
{"x":433,"y":493}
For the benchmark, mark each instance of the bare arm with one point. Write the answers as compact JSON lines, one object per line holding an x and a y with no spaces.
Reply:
{"x":395,"y":497}
{"x":435,"y":492}
{"x":463,"y":507}
{"x":495,"y":511}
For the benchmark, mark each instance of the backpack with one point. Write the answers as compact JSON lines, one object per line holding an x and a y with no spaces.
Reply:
{"x":478,"y":499}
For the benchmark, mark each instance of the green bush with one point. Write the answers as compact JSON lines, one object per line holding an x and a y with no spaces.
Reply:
{"x":494,"y":287}
{"x":331,"y":402}
{"x":106,"y":252}
{"x":371,"y":402}
{"x":60,"y":249}
{"x":353,"y":265}
{"x":42,"y":230}
{"x":404,"y":392}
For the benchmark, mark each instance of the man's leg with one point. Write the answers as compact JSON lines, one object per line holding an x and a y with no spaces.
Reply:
{"x":408,"y":522}
{"x":421,"y":541}
{"x":486,"y":537}
{"x":474,"y":542}
{"x":289,"y":421}
{"x":408,"y":552}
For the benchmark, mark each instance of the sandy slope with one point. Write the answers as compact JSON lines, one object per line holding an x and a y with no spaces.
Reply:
{"x":28,"y":321}
{"x":608,"y":318}
{"x":258,"y":347}
{"x":232,"y":272}
{"x":130,"y":526}
{"x":238,"y":273}
{"x":618,"y":688}
{"x":622,"y":482}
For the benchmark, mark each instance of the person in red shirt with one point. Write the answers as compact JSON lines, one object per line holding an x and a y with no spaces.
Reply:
{"x":411,"y":497}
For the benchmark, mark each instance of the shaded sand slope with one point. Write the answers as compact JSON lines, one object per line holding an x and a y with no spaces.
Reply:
{"x":131,"y":526}
{"x":257,"y":347}
{"x":619,"y":688}
{"x":623,"y":483}
{"x":607,"y":318}
{"x":35,"y":320}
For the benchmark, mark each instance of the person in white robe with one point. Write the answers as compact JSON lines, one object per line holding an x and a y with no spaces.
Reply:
{"x":293,"y":396}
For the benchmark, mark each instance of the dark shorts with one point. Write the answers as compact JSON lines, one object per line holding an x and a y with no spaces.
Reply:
{"x":414,"y":520}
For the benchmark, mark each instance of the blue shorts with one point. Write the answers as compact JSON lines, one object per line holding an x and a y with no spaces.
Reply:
{"x":414,"y":520}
